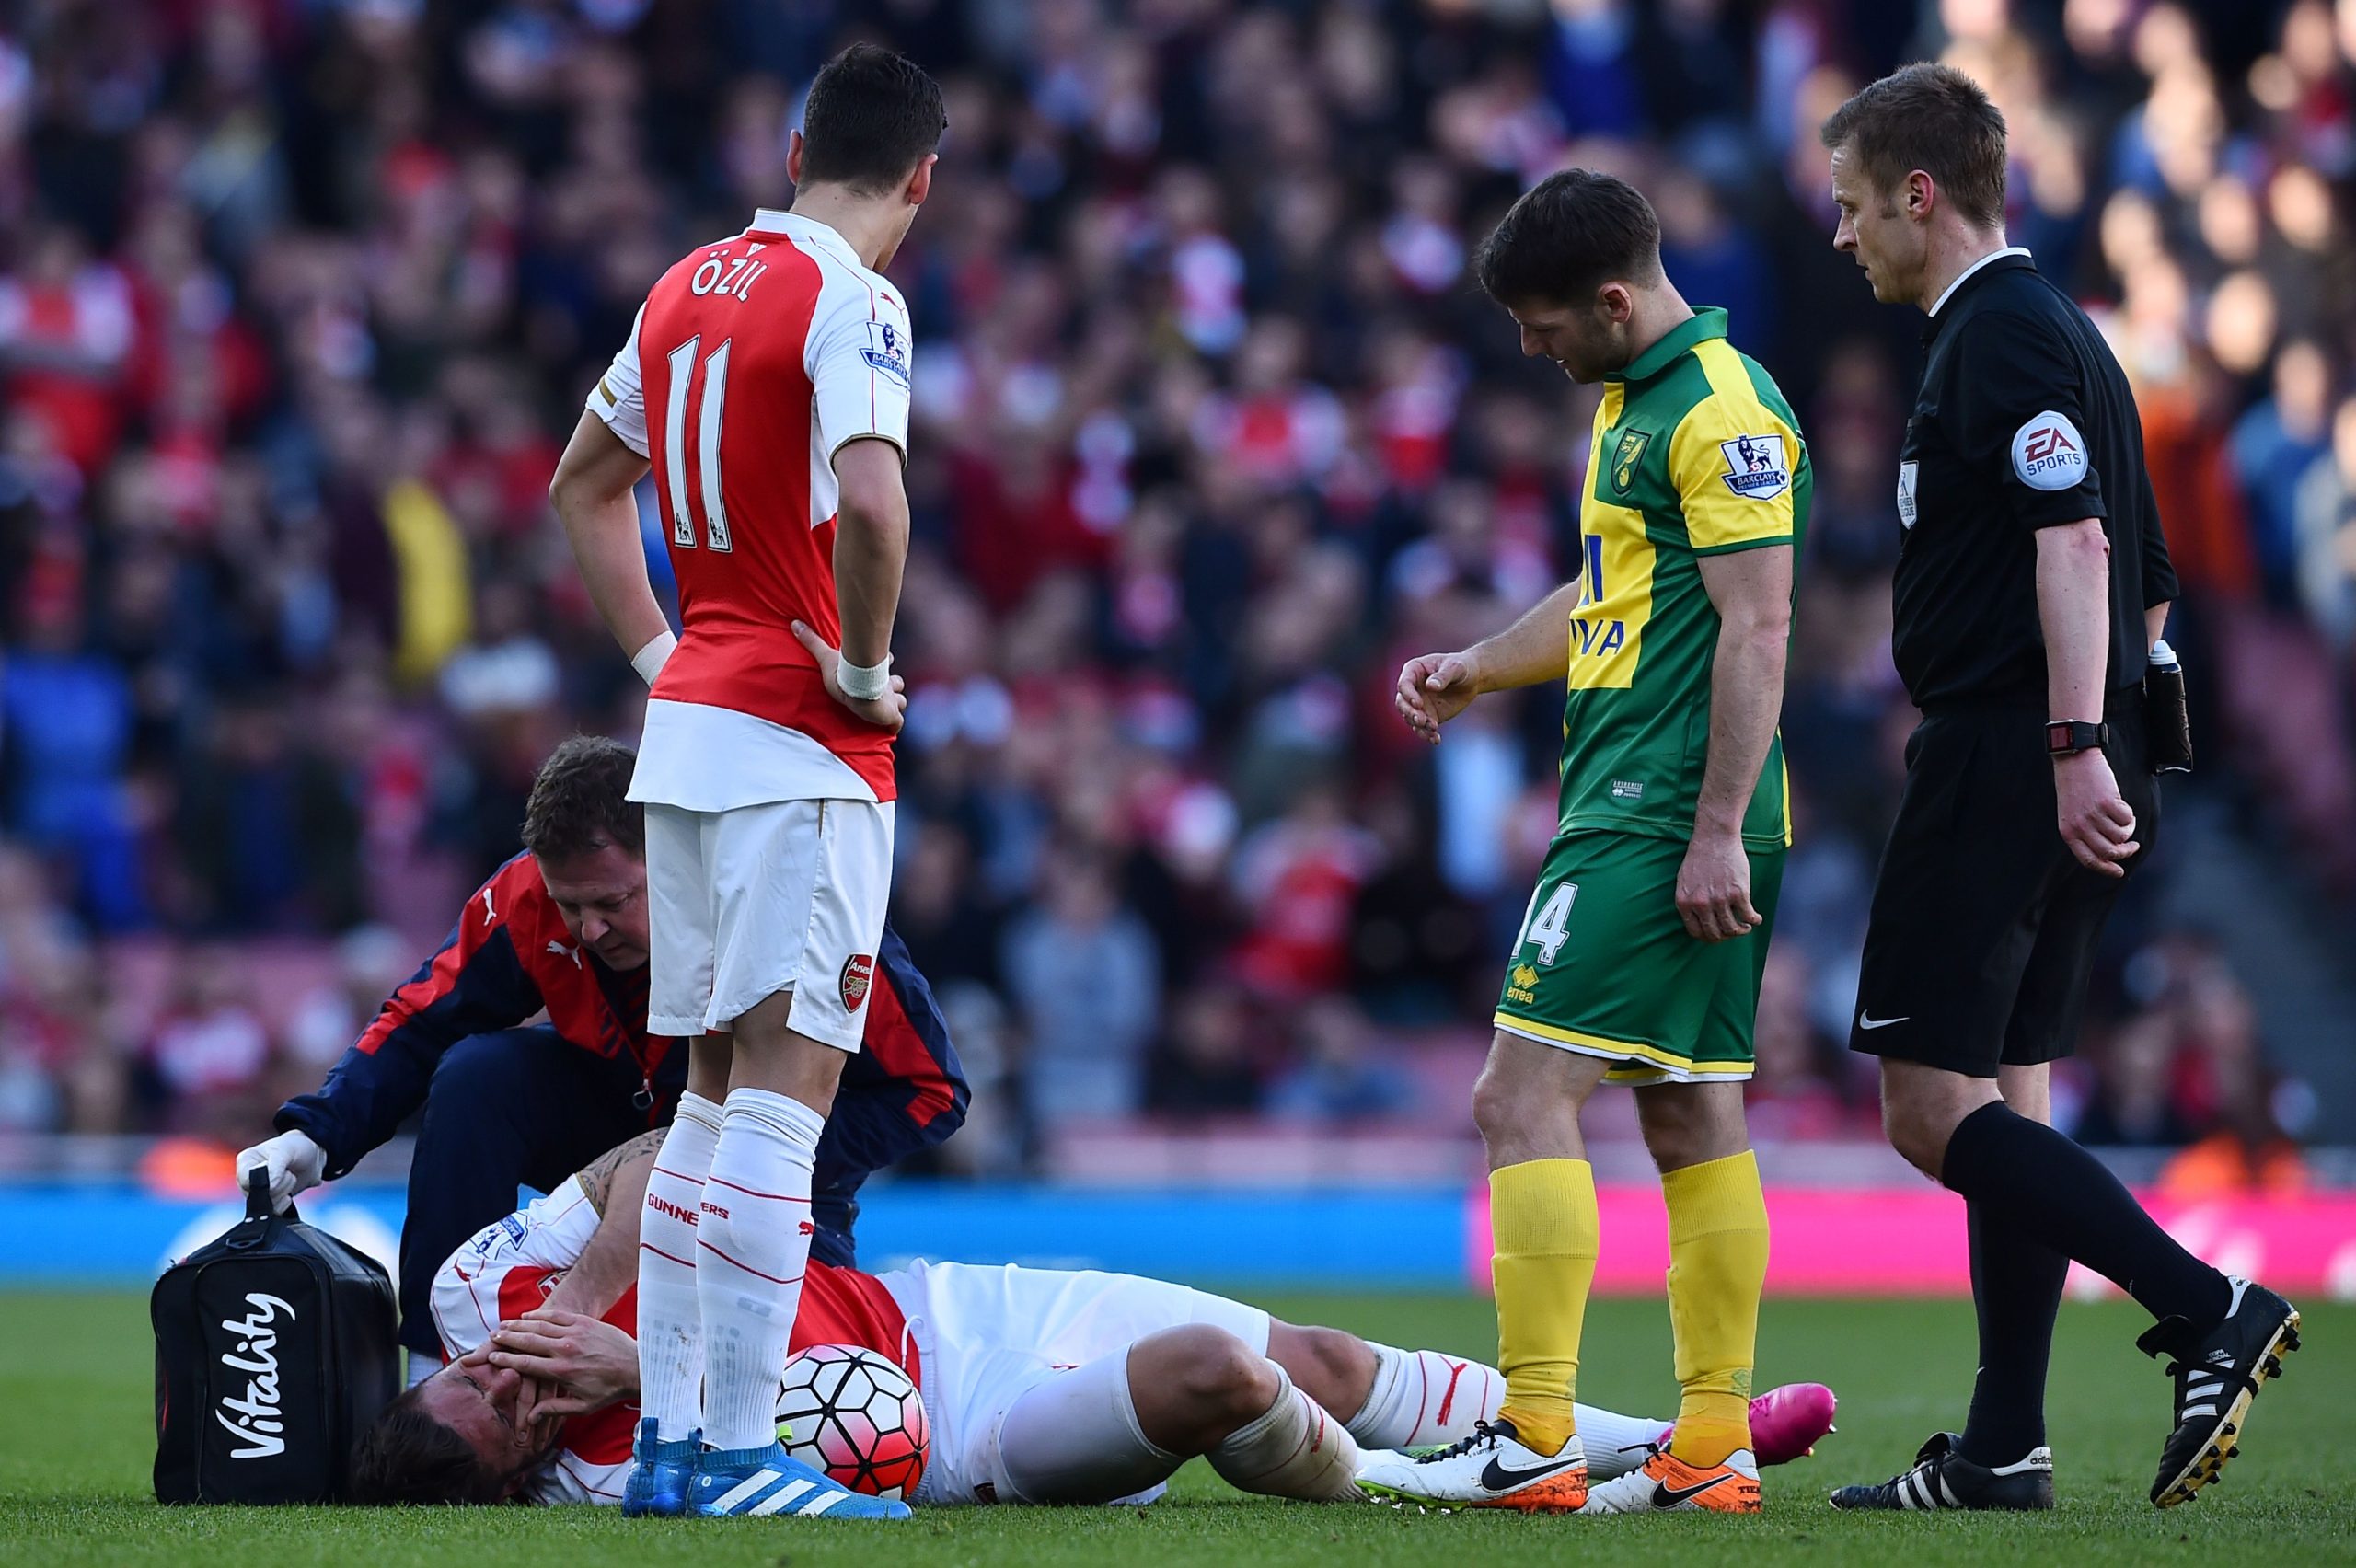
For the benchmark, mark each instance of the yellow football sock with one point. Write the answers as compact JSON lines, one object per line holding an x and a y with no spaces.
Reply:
{"x":1717,"y":1265}
{"x":1542,"y":1217}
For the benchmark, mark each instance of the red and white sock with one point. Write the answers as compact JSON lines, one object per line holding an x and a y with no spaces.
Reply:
{"x":670,"y":1318}
{"x":1294,"y":1450}
{"x":1421,"y":1397}
{"x":753,"y":1243}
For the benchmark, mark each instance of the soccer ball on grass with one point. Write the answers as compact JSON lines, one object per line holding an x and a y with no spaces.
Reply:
{"x":850,"y":1413}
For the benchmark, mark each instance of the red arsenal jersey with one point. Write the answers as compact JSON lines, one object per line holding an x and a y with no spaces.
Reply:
{"x":753,"y":361}
{"x":511,"y":1266}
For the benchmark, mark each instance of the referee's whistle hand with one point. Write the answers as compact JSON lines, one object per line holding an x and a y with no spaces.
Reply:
{"x":1714,"y":889}
{"x":2096,"y":823}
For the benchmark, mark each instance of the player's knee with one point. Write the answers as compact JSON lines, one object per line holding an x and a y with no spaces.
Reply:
{"x":1335,"y":1369}
{"x":1526,"y":1102}
{"x":1501,"y":1109}
{"x":1691,"y":1124}
{"x":1672,"y":1149}
{"x":768,"y":1055}
{"x":1343,"y":1359}
{"x":1673,"y":1140}
{"x":1222,"y":1379}
{"x":1920,"y":1138}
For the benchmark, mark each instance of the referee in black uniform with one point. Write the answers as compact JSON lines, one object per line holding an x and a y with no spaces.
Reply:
{"x":2031,"y":583}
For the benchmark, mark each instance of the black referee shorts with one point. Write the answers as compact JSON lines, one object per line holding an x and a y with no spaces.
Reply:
{"x":1984,"y":926}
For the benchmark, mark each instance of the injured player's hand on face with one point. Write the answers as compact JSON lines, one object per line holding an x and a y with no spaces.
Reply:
{"x":571,"y":1362}
{"x":464,"y":1434}
{"x":1039,"y":1385}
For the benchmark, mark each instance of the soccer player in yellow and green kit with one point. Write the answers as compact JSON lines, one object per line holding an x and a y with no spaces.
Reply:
{"x":1639,"y":959}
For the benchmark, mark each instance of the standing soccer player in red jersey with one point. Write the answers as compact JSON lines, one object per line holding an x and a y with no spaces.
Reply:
{"x":765,"y":767}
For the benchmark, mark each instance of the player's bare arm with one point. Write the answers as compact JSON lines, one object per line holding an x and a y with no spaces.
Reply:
{"x":1752,"y":592}
{"x":615,"y":1185}
{"x":871,"y":552}
{"x":592,"y":494}
{"x":1435,"y":688}
{"x":870,"y":546}
{"x":599,"y":1176}
{"x":2074,"y":609}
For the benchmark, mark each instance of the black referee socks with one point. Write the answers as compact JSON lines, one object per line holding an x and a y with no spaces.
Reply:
{"x":2047,"y":1187}
{"x":2017,"y":1288}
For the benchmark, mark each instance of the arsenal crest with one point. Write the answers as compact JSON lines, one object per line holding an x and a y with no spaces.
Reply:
{"x":859,"y":973}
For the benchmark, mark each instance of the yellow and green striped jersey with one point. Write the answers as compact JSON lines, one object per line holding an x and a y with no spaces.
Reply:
{"x":1696,"y":452}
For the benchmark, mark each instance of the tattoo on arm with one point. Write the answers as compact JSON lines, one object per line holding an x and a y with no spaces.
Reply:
{"x":597,"y":1176}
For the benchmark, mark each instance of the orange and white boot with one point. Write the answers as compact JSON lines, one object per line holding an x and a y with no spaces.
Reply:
{"x":1492,"y":1469}
{"x":1665,"y":1484}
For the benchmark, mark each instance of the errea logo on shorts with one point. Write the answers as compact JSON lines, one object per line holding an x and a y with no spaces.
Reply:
{"x":2047,"y":453}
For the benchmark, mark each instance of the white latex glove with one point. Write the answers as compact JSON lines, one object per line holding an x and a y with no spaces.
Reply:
{"x":294,"y":1162}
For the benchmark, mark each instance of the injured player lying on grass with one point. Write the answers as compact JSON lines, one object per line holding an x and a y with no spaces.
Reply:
{"x":1041,"y":1386}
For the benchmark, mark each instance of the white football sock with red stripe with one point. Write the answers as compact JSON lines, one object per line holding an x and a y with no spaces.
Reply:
{"x":670,"y":1318}
{"x":1294,"y":1450}
{"x":1421,"y":1397}
{"x":753,"y":1243}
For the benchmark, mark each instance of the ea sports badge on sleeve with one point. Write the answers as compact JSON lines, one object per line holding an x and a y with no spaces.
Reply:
{"x":2047,"y":453}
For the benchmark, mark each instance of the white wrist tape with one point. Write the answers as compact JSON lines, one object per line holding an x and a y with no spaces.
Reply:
{"x":648,"y":660}
{"x":864,"y":683}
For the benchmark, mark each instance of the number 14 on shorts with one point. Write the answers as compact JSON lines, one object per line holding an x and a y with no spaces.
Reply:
{"x":1548,"y":924}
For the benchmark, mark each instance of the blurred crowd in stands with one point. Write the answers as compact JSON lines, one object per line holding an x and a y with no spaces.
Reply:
{"x":298,"y":299}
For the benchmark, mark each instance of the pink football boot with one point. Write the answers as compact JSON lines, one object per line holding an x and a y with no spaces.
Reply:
{"x":1786,"y":1422}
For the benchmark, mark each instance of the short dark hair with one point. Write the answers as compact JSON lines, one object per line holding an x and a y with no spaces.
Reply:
{"x":1569,"y":235}
{"x":1935,"y":119}
{"x":581,"y":800}
{"x":406,"y":1456}
{"x":871,"y":118}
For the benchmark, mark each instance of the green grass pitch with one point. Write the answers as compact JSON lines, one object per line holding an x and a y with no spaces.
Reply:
{"x":75,"y":1393}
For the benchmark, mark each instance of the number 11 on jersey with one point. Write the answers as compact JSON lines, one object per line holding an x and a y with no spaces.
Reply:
{"x":713,"y":512}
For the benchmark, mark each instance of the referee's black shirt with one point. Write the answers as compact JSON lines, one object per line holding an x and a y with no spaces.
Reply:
{"x":2024,"y":421}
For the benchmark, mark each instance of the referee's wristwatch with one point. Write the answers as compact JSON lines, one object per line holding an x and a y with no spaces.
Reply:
{"x":2068,"y":737}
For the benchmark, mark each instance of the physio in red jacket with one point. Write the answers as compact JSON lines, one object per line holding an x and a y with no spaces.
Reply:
{"x":562,"y":927}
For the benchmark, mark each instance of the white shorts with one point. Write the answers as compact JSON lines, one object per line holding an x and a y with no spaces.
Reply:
{"x":787,"y":895}
{"x":987,"y":1336}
